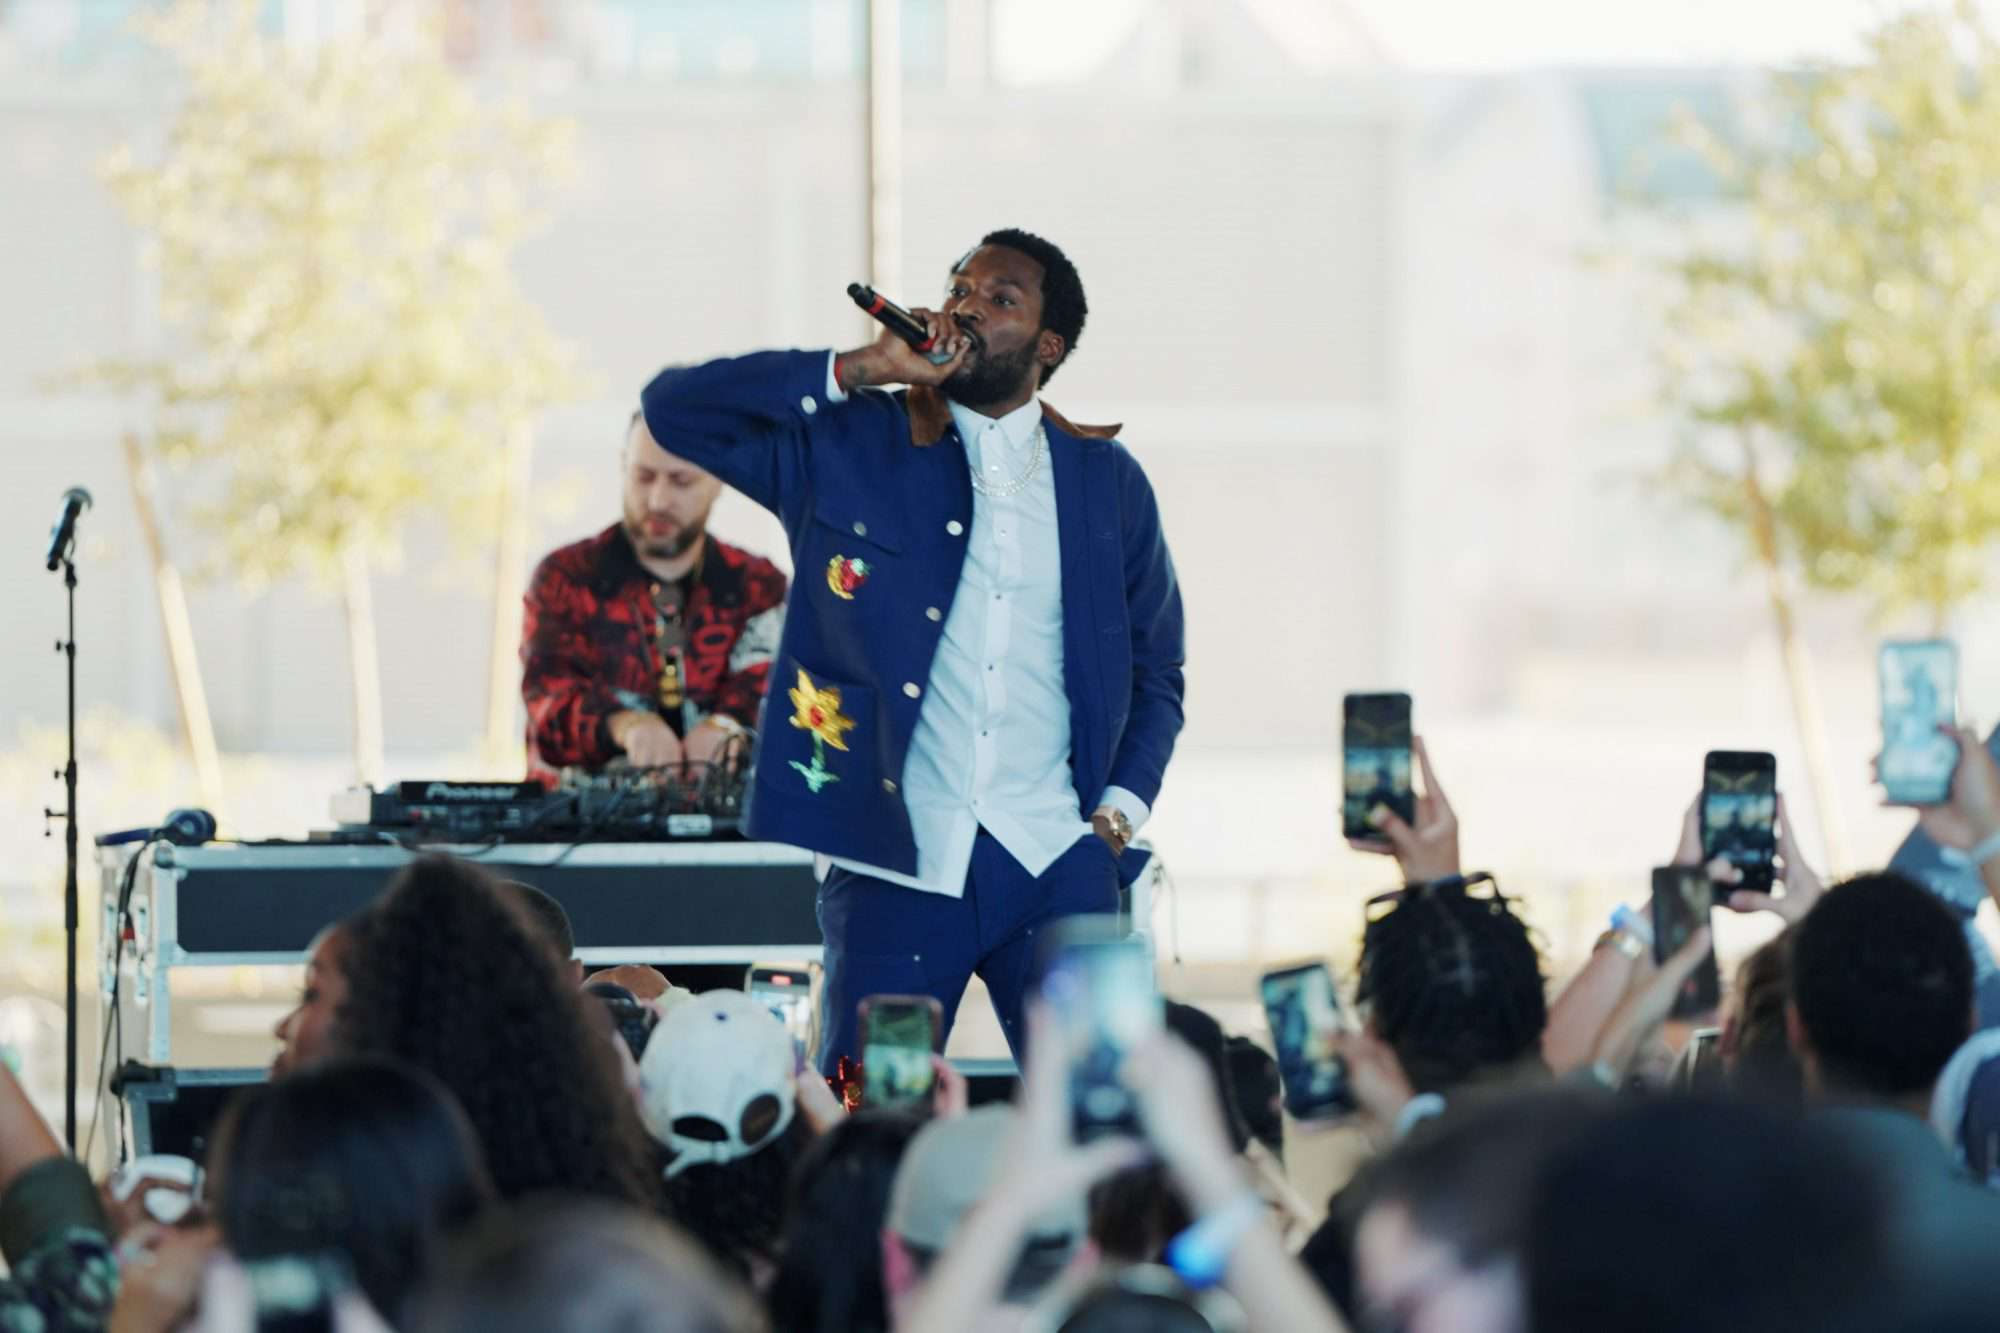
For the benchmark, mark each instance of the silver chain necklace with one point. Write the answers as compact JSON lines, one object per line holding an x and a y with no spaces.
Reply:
{"x":1013,"y":487}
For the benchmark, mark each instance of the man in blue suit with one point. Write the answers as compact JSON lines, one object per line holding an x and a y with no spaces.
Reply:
{"x":979,"y":684}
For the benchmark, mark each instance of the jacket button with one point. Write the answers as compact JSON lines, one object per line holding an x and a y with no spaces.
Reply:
{"x":861,"y":529}
{"x":912,"y":689}
{"x":889,"y":785}
{"x":808,"y":405}
{"x":932,"y":613}
{"x":955,"y":528}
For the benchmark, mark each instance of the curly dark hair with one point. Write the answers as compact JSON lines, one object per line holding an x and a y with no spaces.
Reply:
{"x":447,"y":972}
{"x":1063,"y":307}
{"x":1454,"y":985}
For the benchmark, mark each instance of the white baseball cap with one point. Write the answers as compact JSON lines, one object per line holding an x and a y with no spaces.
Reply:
{"x":951,"y":1165}
{"x":716,"y":1082}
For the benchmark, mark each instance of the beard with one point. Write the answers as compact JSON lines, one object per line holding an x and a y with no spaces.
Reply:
{"x":670,"y":547}
{"x":990,"y":378}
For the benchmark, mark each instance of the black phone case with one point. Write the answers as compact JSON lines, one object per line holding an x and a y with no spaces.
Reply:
{"x":1757,"y":877}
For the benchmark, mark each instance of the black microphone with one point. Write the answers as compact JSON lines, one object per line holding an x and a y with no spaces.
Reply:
{"x":75,"y":501}
{"x":893,"y":318}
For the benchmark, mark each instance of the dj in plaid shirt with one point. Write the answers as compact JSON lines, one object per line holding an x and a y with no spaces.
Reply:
{"x":651,"y":640}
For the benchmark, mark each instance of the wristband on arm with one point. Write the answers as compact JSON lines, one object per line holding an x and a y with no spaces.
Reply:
{"x":1200,"y":1255}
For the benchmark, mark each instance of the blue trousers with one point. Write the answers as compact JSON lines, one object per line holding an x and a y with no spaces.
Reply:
{"x":886,"y":939}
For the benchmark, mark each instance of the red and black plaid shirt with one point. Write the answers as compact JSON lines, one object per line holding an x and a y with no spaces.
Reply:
{"x":587,"y":647}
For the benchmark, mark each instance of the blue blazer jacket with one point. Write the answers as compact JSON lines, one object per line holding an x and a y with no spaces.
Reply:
{"x":876,"y":498}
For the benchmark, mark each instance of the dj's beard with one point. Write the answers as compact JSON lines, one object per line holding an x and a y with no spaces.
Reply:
{"x":653,"y":548}
{"x":991,"y":379}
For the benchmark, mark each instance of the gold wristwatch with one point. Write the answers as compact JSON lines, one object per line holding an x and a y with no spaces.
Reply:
{"x":1121,"y":827}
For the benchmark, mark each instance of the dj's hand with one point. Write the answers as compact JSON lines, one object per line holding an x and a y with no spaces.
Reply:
{"x":890,"y":360}
{"x":708,"y":741}
{"x":646,"y":739}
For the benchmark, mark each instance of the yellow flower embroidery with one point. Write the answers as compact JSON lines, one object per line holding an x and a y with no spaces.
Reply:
{"x":817,"y":710}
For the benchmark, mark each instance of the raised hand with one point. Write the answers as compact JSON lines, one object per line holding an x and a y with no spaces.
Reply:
{"x":1803,"y":885}
{"x":1429,"y":850}
{"x":1972,"y":814}
{"x":1649,"y":1002}
{"x":890,"y":360}
{"x":1375,"y":1076}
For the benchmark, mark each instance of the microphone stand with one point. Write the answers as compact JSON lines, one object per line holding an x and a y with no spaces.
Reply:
{"x":67,"y":647}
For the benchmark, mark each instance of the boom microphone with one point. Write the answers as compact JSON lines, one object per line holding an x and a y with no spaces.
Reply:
{"x":897,"y":320}
{"x":75,"y":501}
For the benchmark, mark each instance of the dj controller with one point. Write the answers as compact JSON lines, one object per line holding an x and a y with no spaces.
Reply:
{"x":631,"y":805}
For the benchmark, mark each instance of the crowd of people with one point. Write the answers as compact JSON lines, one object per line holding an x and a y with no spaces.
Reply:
{"x":473,"y":1136}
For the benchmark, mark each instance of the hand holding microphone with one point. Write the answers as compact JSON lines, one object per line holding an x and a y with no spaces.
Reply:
{"x":918,"y":347}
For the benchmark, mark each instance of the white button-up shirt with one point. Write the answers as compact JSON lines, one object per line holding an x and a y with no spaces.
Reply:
{"x":992,"y":743}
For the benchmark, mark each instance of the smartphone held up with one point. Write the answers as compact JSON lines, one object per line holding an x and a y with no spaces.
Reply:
{"x":1375,"y":762}
{"x":899,"y":1035}
{"x":1304,"y":1013}
{"x":1739,"y":814}
{"x":1919,"y":686}
{"x":1098,"y":982}
{"x":1683,"y":900}
{"x":788,"y":993}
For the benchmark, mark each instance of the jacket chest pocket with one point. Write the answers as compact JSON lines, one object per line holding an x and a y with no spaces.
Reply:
{"x":867,"y":528}
{"x":847,"y":548}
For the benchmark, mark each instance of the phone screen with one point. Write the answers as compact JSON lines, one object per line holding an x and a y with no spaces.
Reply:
{"x":1739,"y":813}
{"x":1100,"y":986}
{"x":1304,"y":1013}
{"x":1919,"y":694}
{"x":898,"y":1036}
{"x":787,"y":993}
{"x":1375,"y":758}
{"x":1683,"y":897}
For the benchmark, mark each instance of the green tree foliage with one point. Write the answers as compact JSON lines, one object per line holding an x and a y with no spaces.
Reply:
{"x":1839,"y":347}
{"x":345,"y":344}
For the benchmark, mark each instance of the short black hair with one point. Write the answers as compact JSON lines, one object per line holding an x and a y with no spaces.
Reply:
{"x":1687,"y":1213}
{"x":368,"y":1158}
{"x":1454,"y":985}
{"x":1204,"y":1035}
{"x":1882,"y":980}
{"x":548,"y":914}
{"x":1466,"y":1177}
{"x":1063,"y":307}
{"x":830,"y":1269}
{"x":1259,"y":1093}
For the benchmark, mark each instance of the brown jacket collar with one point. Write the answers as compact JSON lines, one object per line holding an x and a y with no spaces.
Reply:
{"x":930,"y":418}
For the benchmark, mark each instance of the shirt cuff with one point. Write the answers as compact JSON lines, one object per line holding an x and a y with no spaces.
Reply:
{"x":1134,"y":809}
{"x":834,"y":393}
